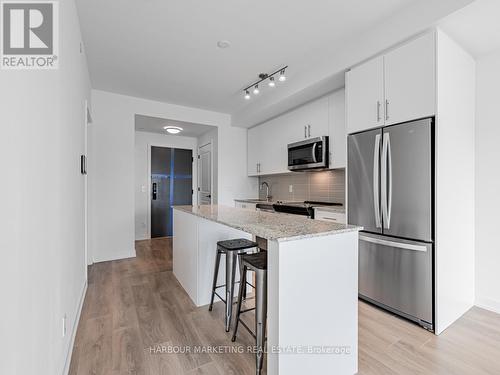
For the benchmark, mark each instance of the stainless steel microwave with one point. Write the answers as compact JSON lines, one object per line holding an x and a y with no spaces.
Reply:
{"x":309,"y":154}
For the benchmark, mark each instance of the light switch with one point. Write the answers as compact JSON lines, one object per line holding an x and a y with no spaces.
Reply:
{"x":290,"y":188}
{"x":143,"y":188}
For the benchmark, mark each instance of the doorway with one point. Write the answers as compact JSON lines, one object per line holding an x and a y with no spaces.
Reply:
{"x":171,"y":184}
{"x":205,"y":182}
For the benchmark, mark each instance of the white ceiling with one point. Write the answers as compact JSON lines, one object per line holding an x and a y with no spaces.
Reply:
{"x":166,"y":50}
{"x":476,"y":27}
{"x":155,"y":125}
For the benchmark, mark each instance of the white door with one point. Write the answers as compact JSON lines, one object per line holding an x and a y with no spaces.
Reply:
{"x":365,"y":96}
{"x":410,"y":81}
{"x":205,"y":174}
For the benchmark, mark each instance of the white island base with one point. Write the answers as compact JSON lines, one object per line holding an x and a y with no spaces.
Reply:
{"x":312,"y":288}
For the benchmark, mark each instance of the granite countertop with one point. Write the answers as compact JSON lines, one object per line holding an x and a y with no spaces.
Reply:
{"x":269,"y":225}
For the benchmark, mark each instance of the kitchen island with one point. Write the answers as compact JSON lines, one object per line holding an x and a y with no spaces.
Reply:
{"x":312,"y":281}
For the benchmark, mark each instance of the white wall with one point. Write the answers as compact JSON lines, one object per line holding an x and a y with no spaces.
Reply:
{"x":487,"y":182}
{"x":143,"y":143}
{"x":41,"y":199}
{"x":111,"y":166}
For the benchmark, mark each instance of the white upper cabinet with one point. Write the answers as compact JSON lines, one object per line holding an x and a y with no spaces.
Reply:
{"x":365,"y":95}
{"x":254,"y":138}
{"x":410,"y":81}
{"x":396,"y":87}
{"x":337,"y":130}
{"x":268,"y":142}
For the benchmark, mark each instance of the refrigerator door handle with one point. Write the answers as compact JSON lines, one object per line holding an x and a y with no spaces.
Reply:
{"x":399,"y":245}
{"x":389,"y":193}
{"x":376,"y":200}
{"x":383,"y":177}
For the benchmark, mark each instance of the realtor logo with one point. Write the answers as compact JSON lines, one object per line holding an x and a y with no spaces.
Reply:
{"x":29,"y":35}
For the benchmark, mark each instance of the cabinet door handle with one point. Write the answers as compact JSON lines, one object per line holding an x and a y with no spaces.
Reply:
{"x":305,"y":131}
{"x":386,"y":109}
{"x":378,"y":111}
{"x":309,"y":130}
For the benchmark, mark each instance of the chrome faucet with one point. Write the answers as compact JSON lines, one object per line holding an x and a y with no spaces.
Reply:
{"x":268,"y":197}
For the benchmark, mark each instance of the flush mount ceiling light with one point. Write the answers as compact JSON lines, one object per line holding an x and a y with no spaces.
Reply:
{"x":173,"y":129}
{"x":223,"y":44}
{"x":263,"y":77}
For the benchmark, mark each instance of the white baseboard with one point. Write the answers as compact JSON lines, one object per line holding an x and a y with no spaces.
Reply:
{"x":124,"y":255}
{"x":488,"y":304}
{"x":75,"y":327}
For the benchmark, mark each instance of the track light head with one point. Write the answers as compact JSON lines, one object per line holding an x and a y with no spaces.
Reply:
{"x":256,"y":90}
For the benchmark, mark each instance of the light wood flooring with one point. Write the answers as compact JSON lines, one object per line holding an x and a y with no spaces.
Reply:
{"x":135,"y":305}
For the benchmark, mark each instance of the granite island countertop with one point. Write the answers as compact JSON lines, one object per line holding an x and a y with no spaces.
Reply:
{"x":268,"y":225}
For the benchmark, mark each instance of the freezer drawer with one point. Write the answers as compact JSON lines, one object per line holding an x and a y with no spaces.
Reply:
{"x":397,"y":275}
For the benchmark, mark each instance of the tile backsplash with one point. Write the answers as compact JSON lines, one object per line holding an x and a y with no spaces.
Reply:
{"x":325,"y":186}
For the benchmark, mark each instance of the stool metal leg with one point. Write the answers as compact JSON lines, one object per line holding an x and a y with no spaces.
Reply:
{"x":260,"y":316}
{"x":216,"y":274}
{"x":243,"y":279}
{"x":231,"y":259}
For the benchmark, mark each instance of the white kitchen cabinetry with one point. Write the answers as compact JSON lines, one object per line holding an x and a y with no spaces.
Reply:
{"x":337,"y":130}
{"x":268,"y":142}
{"x":330,"y":216}
{"x":395,"y":87}
{"x":410,"y":81}
{"x":365,"y":95}
{"x":432,"y":75}
{"x":245,"y":205}
{"x":267,"y":152}
{"x":310,"y":120}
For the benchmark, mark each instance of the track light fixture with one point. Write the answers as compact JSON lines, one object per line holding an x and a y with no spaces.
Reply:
{"x":262,"y":77}
{"x":282,"y":76}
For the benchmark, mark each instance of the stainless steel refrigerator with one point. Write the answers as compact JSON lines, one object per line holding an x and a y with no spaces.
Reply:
{"x":391,"y":194}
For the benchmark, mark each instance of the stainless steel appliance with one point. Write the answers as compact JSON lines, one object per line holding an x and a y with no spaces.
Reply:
{"x":305,"y":208}
{"x":309,"y":154}
{"x":391,"y":194}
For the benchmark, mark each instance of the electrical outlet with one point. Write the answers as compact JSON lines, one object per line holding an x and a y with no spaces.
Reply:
{"x":64,"y":319}
{"x":290,"y":188}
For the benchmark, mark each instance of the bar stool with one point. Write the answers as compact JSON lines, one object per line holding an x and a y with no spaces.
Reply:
{"x":257,"y":263}
{"x":231,"y":248}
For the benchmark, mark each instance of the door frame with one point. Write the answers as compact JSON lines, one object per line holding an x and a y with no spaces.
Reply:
{"x":194,"y":180}
{"x":87,"y":121}
{"x":211,"y":143}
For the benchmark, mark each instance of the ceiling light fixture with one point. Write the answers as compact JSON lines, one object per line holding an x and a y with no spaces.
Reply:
{"x":262,"y":77}
{"x":223,"y":44}
{"x":173,"y":129}
{"x":282,"y":76}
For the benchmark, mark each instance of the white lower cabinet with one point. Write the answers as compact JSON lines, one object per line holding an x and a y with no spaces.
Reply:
{"x":330,"y":216}
{"x":245,"y":205}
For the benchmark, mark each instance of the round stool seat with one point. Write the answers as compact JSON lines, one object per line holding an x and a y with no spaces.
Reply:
{"x":236,"y":244}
